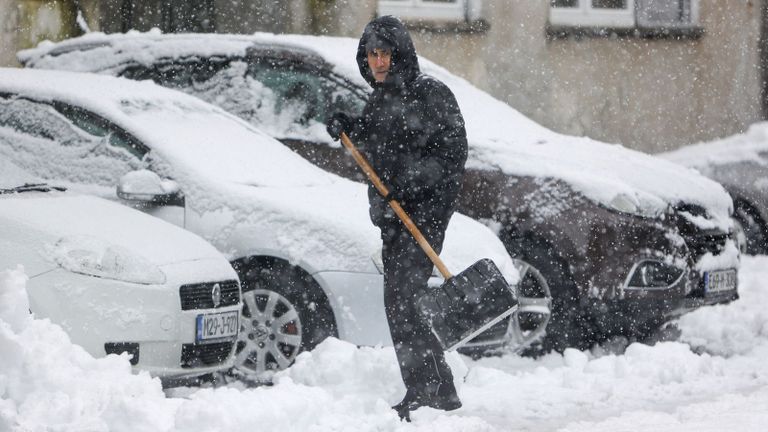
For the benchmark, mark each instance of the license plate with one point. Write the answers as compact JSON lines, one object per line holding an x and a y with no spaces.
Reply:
{"x":719,"y":281}
{"x":217,"y":326}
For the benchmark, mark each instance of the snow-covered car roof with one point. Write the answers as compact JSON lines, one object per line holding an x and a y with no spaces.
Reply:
{"x":107,"y":228}
{"x":252,"y":180}
{"x":500,"y":137}
{"x":751,"y":145}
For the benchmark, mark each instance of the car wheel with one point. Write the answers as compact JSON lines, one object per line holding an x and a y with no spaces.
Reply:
{"x":568,"y":325}
{"x":755,"y":240}
{"x":281,"y":317}
{"x":529,"y":322}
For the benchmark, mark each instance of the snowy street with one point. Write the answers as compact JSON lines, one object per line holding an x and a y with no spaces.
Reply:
{"x":715,"y":378}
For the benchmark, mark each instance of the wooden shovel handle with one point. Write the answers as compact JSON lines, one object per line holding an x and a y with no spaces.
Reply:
{"x":368,"y":170}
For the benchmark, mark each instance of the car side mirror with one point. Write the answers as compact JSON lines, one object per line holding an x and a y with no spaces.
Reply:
{"x":147,"y":187}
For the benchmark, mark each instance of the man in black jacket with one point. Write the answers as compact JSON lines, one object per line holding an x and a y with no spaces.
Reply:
{"x":412,"y":133}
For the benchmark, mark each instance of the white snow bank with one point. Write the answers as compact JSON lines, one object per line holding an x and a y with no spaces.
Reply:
{"x":737,"y":328}
{"x":14,"y":304}
{"x":48,"y":384}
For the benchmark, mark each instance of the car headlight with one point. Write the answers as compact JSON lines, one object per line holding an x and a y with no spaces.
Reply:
{"x":626,"y":203}
{"x":654,"y":274}
{"x":94,"y":257}
{"x":623,"y":203}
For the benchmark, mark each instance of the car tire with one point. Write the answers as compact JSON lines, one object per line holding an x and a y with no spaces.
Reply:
{"x":569,"y":326}
{"x":752,"y":228}
{"x":284,"y":313}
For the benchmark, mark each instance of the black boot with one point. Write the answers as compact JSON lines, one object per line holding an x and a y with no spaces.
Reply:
{"x":404,"y":407}
{"x":444,"y":398}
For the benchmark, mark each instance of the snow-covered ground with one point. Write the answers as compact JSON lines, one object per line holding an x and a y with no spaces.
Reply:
{"x":715,"y":378}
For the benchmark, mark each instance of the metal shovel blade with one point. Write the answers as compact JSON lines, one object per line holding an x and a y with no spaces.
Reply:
{"x":467,"y":304}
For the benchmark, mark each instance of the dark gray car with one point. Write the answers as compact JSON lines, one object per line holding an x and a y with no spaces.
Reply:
{"x":626,"y":241}
{"x":740,"y":164}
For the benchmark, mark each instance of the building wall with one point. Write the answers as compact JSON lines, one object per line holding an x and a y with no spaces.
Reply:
{"x":25,"y":23}
{"x":8,"y":32}
{"x":649,"y":94}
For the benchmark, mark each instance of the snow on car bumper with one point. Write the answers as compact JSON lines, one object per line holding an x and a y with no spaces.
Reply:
{"x":104,"y":315}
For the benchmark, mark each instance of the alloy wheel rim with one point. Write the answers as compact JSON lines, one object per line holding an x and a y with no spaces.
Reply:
{"x":541,"y":306}
{"x":270,"y":333}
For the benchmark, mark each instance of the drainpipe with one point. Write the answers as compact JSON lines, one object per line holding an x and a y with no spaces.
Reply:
{"x":763,"y":58}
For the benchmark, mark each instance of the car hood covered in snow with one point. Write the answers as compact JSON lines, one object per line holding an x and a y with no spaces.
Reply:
{"x":250,"y":187}
{"x":108,"y":225}
{"x":749,"y":146}
{"x":500,"y":137}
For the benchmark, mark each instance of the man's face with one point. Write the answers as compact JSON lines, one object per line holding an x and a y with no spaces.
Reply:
{"x":379,"y":60}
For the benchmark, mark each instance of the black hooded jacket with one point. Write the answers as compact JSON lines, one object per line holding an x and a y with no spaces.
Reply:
{"x":411,"y":130}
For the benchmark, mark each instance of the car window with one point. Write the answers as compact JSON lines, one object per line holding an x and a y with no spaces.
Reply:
{"x":99,"y":127}
{"x":35,"y":119}
{"x":311,"y":94}
{"x":181,"y":74}
{"x":40,"y":138}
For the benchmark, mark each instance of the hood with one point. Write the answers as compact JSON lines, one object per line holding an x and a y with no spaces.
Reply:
{"x":502,"y":138}
{"x":750,"y":146}
{"x":71,"y":219}
{"x":405,"y":63}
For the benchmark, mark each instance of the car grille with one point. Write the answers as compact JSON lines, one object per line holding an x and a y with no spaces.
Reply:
{"x":205,"y":355}
{"x":706,"y":242}
{"x":699,"y":241}
{"x":199,"y":296}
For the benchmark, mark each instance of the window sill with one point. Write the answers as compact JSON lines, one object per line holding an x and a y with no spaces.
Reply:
{"x":579,"y":32}
{"x":447,"y":26}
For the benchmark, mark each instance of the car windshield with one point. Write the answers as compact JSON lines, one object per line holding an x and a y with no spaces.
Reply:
{"x":209,"y":142}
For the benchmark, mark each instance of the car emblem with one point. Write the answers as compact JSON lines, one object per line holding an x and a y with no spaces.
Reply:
{"x":216,"y":295}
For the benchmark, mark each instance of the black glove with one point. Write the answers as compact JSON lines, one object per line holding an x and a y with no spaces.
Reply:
{"x":338,"y":123}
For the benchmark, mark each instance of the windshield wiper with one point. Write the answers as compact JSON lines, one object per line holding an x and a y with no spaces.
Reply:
{"x":32,"y":187}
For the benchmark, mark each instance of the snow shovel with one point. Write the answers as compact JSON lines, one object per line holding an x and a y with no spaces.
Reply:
{"x":466,"y":304}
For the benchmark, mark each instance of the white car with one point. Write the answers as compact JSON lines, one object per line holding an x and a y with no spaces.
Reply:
{"x":118,"y":280}
{"x":300,"y":238}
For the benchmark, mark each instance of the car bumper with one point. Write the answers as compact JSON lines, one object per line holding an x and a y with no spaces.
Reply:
{"x":108,"y":316}
{"x":638,"y":313}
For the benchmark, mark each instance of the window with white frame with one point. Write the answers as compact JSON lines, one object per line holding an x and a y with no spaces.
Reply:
{"x":624,"y":13}
{"x":432,"y":10}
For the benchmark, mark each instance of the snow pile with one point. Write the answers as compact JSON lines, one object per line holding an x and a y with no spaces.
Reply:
{"x":735,"y":329}
{"x":47,"y":383}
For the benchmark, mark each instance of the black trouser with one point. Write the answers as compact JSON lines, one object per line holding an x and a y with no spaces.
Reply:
{"x":406,"y":271}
